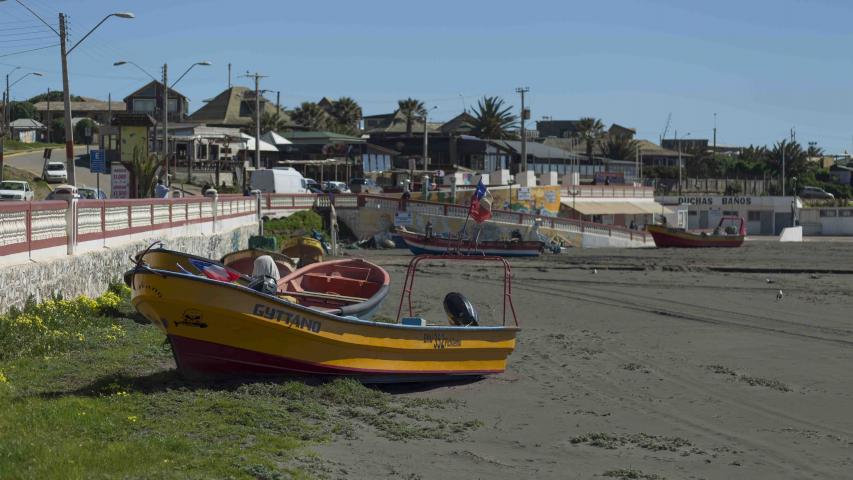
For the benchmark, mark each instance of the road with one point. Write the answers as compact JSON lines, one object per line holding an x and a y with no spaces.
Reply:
{"x":33,"y":162}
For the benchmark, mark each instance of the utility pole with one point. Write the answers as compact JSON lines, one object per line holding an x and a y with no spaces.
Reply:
{"x":109,"y":109}
{"x":66,"y":100}
{"x":714,"y":151}
{"x":48,"y":115}
{"x":783,"y":166}
{"x":678,"y":144}
{"x":277,"y":102}
{"x":166,"y":120}
{"x":257,"y":123}
{"x":229,"y":75}
{"x":257,"y":76}
{"x":522,"y":91}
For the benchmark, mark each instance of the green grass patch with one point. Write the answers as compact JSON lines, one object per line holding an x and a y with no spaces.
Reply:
{"x":641,"y":440}
{"x":88,"y":390}
{"x":14,"y":146}
{"x":631,"y":474}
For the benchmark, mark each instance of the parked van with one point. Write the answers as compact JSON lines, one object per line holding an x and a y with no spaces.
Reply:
{"x":279,"y":180}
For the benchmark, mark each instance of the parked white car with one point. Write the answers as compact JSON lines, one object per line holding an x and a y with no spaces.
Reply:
{"x":12,"y":190}
{"x":55,"y":172}
{"x":63,"y":192}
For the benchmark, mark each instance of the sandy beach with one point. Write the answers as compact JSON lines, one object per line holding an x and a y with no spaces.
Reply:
{"x":652,"y":363}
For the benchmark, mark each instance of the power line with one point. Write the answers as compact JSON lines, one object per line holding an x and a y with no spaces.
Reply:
{"x":27,"y":51}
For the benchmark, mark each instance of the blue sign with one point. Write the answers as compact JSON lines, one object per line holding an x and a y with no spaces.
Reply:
{"x":97,"y":161}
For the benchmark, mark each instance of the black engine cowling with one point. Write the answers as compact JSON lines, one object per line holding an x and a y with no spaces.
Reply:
{"x":460,"y":310}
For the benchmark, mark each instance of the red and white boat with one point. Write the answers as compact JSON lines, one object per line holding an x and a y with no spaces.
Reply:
{"x":729,"y":233}
{"x":421,"y":244}
{"x":349,"y":287}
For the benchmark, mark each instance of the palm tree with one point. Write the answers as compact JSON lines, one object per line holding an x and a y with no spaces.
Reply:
{"x":411,"y":109}
{"x":814,"y":150}
{"x":347,"y":112}
{"x":590,"y":130}
{"x":270,"y":122}
{"x":619,"y":147}
{"x":311,"y":115}
{"x":145,"y":172}
{"x":493,"y":120}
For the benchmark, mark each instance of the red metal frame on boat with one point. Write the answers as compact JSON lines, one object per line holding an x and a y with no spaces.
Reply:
{"x":408,"y":284}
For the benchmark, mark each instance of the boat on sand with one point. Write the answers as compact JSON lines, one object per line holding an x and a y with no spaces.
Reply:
{"x":729,"y":233}
{"x":244,"y":261}
{"x":226,"y":328}
{"x":420,"y":243}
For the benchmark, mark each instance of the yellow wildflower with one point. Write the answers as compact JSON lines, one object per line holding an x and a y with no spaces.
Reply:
{"x":132,"y":418}
{"x":3,"y":378}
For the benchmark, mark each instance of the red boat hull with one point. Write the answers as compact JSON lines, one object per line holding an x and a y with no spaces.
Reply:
{"x":420,"y":245}
{"x":675,"y":238}
{"x":197,"y":358}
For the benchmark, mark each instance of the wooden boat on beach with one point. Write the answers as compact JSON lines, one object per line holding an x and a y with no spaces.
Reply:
{"x":420,"y":243}
{"x":225,"y":328}
{"x":306,"y":249}
{"x":345,"y":287}
{"x":244,"y":261}
{"x":730,"y":233}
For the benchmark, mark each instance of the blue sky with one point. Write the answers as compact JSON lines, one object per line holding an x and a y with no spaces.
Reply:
{"x":763,"y":66}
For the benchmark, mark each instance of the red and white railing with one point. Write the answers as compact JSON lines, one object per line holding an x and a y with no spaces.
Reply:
{"x":38,"y":226}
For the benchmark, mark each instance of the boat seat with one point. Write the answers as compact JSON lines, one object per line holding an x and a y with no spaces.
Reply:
{"x":341,"y":285}
{"x":325,"y":296}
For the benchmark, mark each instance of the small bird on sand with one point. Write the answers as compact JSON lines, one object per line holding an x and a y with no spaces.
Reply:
{"x":768,"y":280}
{"x":779,"y":295}
{"x":594,"y":271}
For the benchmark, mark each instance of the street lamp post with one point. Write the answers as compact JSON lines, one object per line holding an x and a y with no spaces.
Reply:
{"x":7,"y":113}
{"x":165,"y":104}
{"x":426,"y":137}
{"x":66,"y":95}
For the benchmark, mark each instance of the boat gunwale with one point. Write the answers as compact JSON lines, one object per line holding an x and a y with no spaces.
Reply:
{"x":146,"y":270}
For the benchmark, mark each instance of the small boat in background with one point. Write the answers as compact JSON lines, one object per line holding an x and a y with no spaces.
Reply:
{"x":244,"y":261}
{"x":420,"y":243}
{"x":307,"y":249}
{"x":729,"y":233}
{"x":343,"y":287}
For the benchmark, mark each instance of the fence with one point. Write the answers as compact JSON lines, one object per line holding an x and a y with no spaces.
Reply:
{"x":27,"y":227}
{"x":460,"y":211}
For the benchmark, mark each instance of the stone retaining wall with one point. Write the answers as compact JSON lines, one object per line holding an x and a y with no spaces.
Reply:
{"x":90,"y":273}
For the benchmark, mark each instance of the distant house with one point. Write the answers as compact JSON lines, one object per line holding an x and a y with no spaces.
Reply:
{"x":616,"y":130}
{"x":558,"y":128}
{"x":234,"y":107}
{"x":654,"y":155}
{"x":27,"y":130}
{"x":841,"y":174}
{"x":686,"y":144}
{"x":149,"y":100}
{"x":97,"y":110}
{"x":395,"y":123}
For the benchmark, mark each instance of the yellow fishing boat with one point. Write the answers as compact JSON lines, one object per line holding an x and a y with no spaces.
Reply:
{"x":308,"y":250}
{"x":225,"y":328}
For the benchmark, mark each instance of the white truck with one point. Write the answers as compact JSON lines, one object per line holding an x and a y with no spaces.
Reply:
{"x":279,"y":180}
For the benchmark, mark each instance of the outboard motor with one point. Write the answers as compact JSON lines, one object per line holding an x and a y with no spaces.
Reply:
{"x":459,"y":310}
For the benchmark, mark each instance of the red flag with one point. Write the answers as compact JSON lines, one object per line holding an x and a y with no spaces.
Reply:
{"x":481,"y":204}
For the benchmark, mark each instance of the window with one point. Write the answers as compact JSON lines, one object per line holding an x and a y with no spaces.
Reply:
{"x":754,"y":216}
{"x":692,"y":213}
{"x":202,"y":152}
{"x":730,"y":213}
{"x":173,"y":105}
{"x":829,"y":213}
{"x":144,"y":105}
{"x":845,"y":213}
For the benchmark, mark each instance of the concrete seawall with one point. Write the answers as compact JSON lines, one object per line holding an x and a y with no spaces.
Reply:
{"x":90,"y":273}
